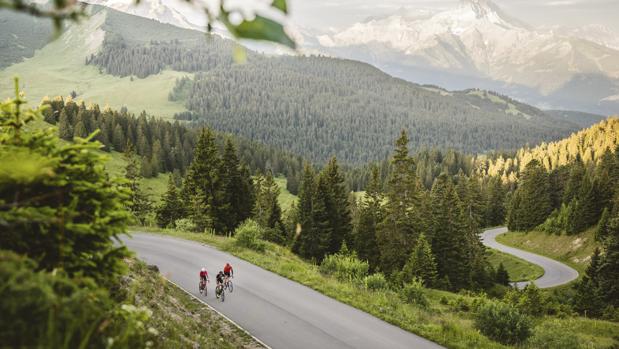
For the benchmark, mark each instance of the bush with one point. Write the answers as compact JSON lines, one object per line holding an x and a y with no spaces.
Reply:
{"x":554,"y":335}
{"x":502,"y":323}
{"x":249,"y":235}
{"x":345,"y":267}
{"x":413,"y":292}
{"x":375,"y":282}
{"x":529,"y":301}
{"x":184,"y":224}
{"x":51,"y":310}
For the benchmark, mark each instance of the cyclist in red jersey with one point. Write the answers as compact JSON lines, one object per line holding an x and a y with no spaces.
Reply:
{"x":228,"y":272}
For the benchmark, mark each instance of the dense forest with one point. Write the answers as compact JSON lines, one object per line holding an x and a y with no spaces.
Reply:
{"x":318,"y":106}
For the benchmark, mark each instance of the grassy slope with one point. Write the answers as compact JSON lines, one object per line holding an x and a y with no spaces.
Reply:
{"x":444,"y":323}
{"x":181,"y":321}
{"x":573,"y":250}
{"x":518,"y":269}
{"x":285,"y":197}
{"x":59,"y":68}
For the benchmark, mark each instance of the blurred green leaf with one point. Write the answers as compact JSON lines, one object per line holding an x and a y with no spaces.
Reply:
{"x":260,"y":28}
{"x":280,"y":5}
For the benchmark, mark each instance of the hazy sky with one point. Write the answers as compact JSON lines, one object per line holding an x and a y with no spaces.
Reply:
{"x":339,"y":13}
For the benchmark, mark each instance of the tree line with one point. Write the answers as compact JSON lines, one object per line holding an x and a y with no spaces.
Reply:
{"x":318,"y":107}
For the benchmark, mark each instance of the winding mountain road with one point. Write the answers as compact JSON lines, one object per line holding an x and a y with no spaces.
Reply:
{"x":555,"y":273}
{"x":279,"y":312}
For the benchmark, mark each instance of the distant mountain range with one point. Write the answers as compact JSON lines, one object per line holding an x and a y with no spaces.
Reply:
{"x":313,"y":106}
{"x":478,"y":45}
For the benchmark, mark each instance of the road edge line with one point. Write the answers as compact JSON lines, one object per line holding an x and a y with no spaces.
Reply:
{"x":218,"y":312}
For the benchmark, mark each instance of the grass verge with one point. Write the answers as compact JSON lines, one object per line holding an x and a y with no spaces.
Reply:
{"x":517,"y":268}
{"x":573,"y":250}
{"x":448,"y":319}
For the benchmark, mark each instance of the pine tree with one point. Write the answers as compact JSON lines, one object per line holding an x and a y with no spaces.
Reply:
{"x":139,"y":204}
{"x":495,"y":212}
{"x":118,"y":138}
{"x":608,"y":271}
{"x":502,"y":276}
{"x":577,"y":173}
{"x":171,"y":209}
{"x":239,"y":198}
{"x":589,"y":296}
{"x":65,"y":130}
{"x":530,"y":204}
{"x":448,"y":234}
{"x":420,"y":264}
{"x":602,"y":230}
{"x":370,"y":215}
{"x":340,"y":218}
{"x":321,"y":235}
{"x":307,"y":194}
{"x":267,"y":211}
{"x":402,"y":222}
{"x":204,"y":186}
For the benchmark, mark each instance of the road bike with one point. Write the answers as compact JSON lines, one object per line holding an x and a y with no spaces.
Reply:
{"x":228,"y":284}
{"x":220,"y":292}
{"x":202,"y":287}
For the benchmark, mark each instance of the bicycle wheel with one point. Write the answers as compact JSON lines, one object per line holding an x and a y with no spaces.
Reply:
{"x":230,"y":287}
{"x":223,"y":295}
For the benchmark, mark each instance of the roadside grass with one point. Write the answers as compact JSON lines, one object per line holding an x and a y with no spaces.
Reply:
{"x":447,"y":320}
{"x":517,"y":268}
{"x":180,"y":320}
{"x":573,"y":250}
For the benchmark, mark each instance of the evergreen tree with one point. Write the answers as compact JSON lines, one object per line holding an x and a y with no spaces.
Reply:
{"x":267,"y":211}
{"x":602,"y":230}
{"x":65,"y":129}
{"x":420,"y":264}
{"x":448,"y":234}
{"x":307,"y":194}
{"x":239,"y":197}
{"x":204,"y":186}
{"x":495,"y":212}
{"x":502,"y":276}
{"x":608,"y":271}
{"x":139,"y":204}
{"x":370,"y":215}
{"x":402,"y":222}
{"x":577,"y":173}
{"x":530,"y":204}
{"x":340,"y":217}
{"x":589,"y":297}
{"x":171,"y":209}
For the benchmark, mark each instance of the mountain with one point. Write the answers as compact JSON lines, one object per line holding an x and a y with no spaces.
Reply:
{"x":476,"y":44}
{"x":313,"y":106}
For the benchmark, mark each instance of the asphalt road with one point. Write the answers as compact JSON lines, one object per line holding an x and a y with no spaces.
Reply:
{"x":279,"y":312}
{"x":555,"y":273}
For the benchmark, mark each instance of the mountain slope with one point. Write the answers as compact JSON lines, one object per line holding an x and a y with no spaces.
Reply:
{"x":313,"y":106}
{"x":476,"y":44}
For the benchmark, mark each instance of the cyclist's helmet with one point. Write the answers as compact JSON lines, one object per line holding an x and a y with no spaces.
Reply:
{"x":203,"y":269}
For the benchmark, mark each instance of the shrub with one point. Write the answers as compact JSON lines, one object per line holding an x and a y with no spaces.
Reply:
{"x":375,"y":282}
{"x":249,"y":235}
{"x":184,"y":224}
{"x":529,"y":301}
{"x":345,"y":267}
{"x":502,"y":323}
{"x":413,"y":292}
{"x":51,"y":310}
{"x":554,"y":335}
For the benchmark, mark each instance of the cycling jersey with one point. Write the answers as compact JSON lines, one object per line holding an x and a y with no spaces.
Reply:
{"x":228,"y":270}
{"x":203,"y":275}
{"x":220,"y":278}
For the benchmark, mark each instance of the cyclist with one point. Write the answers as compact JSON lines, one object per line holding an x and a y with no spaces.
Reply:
{"x":220,"y":282}
{"x":228,"y":272}
{"x":203,"y":278}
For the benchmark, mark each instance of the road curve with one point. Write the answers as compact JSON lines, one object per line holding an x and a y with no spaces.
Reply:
{"x":555,"y":273}
{"x":279,"y":312}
